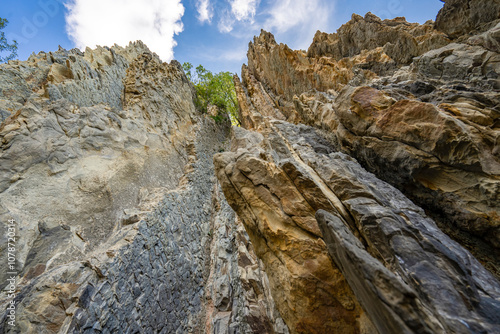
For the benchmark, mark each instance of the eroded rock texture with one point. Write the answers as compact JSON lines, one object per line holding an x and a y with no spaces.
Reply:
{"x":400,"y":40}
{"x":106,"y":166}
{"x":429,"y":128}
{"x":360,"y":194}
{"x":459,"y":17}
{"x":416,"y":106}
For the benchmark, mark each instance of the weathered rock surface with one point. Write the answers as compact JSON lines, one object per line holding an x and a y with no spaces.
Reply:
{"x":430,"y":128}
{"x":446,"y":278}
{"x":106,"y":166}
{"x":360,"y":195}
{"x":266,"y":186}
{"x":239,"y":297}
{"x":393,"y":306}
{"x":399,"y":39}
{"x":459,"y":17}
{"x":421,"y":115}
{"x":275,"y":181}
{"x":431,"y":290}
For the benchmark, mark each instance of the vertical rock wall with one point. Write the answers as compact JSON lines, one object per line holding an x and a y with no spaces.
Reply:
{"x":121,"y":226}
{"x":429,"y":128}
{"x":420,"y":113}
{"x":136,"y":213}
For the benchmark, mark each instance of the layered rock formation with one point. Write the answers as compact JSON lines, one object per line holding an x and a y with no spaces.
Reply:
{"x":460,"y":17}
{"x":106,"y":167}
{"x":417,"y":106}
{"x":430,"y":128}
{"x":360,"y":194}
{"x":400,"y":40}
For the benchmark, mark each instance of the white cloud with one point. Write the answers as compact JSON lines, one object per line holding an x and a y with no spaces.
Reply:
{"x":303,"y":18}
{"x":226,"y":22}
{"x":106,"y":22}
{"x":286,"y":14}
{"x":238,"y":11}
{"x":244,"y":9}
{"x":205,"y":11}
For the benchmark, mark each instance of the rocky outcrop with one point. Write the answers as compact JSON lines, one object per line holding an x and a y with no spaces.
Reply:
{"x":238,"y":293}
{"x":106,"y":160}
{"x":431,"y":285}
{"x":399,"y":39}
{"x":425,"y":125}
{"x":265,"y":187}
{"x":459,"y":17}
{"x":277,"y":178}
{"x":359,"y":195}
{"x":106,"y":167}
{"x":430,"y":128}
{"x":433,"y":146}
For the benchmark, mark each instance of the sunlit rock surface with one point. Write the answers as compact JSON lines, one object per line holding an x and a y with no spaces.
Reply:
{"x":106,"y":166}
{"x":359,"y":195}
{"x":417,"y":241}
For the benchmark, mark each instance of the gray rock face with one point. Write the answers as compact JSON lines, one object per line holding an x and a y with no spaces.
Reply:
{"x":159,"y":277}
{"x":461,"y":63}
{"x":429,"y":128}
{"x":106,"y":167}
{"x":276,"y":196}
{"x":446,"y":278}
{"x":459,"y":17}
{"x":393,"y":306}
{"x":239,"y":296}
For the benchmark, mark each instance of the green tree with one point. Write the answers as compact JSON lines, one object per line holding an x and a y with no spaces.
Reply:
{"x":214,"y":89}
{"x":4,"y":44}
{"x":187,"y":69}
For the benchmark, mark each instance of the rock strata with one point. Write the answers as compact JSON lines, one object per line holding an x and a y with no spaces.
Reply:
{"x":400,"y":40}
{"x":359,"y":195}
{"x":429,"y":128}
{"x":265,"y":186}
{"x":421,"y":116}
{"x":459,"y":17}
{"x":106,"y":166}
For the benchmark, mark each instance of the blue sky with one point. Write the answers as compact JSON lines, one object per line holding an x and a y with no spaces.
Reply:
{"x":214,"y":33}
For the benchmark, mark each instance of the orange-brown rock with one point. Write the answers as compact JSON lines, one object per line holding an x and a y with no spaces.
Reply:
{"x":277,"y":203}
{"x":400,"y":40}
{"x":430,"y":129}
{"x":419,"y":112}
{"x":459,"y":17}
{"x":402,"y":268}
{"x":442,"y":153}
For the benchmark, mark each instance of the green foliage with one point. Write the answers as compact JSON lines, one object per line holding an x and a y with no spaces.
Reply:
{"x":214,"y":89}
{"x":4,"y":45}
{"x":187,"y":68}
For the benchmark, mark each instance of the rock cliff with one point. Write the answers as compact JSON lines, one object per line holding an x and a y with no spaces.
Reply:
{"x":359,"y":195}
{"x":379,"y":147}
{"x":106,"y":167}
